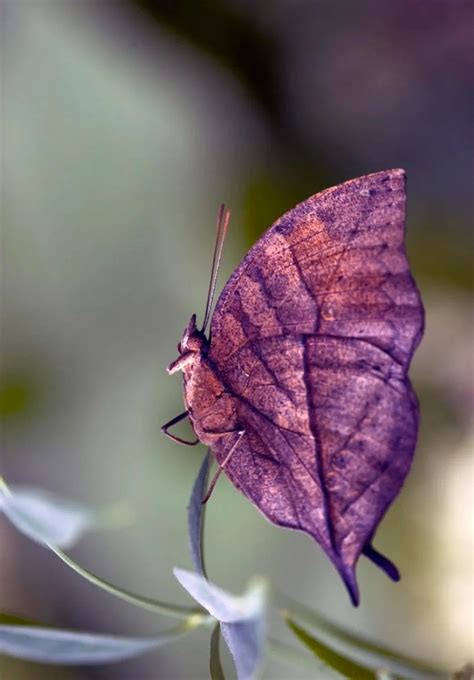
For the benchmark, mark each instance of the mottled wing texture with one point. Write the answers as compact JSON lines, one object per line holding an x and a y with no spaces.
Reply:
{"x":313,"y":335}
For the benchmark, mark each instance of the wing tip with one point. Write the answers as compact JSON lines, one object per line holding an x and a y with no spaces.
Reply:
{"x":397,"y":172}
{"x":347,"y":571}
{"x":392,"y":172}
{"x":384,"y":175}
{"x":394,"y":177}
{"x":349,"y":578}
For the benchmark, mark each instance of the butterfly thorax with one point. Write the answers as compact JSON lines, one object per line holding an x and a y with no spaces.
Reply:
{"x":205,"y":396}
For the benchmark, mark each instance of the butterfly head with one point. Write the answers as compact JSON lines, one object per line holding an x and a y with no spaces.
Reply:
{"x":189,"y":348}
{"x":193,"y":340}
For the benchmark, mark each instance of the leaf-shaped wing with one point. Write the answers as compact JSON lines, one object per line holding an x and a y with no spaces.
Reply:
{"x":335,"y":265}
{"x":313,"y":335}
{"x":330,"y":430}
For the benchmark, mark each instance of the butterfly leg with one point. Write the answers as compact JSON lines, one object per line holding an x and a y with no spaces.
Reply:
{"x":221,"y":467}
{"x":174,"y":421}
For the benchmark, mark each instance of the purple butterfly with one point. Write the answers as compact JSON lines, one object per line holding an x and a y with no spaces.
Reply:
{"x":301,"y":390}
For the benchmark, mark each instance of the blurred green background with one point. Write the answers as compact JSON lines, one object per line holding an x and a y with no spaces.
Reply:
{"x":124,"y":125}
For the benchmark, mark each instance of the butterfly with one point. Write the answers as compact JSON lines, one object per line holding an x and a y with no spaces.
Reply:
{"x":301,"y":389}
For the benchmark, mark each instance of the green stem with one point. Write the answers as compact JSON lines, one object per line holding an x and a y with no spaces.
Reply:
{"x":196,"y":614}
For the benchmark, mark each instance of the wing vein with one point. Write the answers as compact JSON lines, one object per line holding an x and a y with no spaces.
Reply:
{"x":314,"y":427}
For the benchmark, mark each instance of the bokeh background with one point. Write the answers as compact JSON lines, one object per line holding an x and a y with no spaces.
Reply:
{"x":124,"y":125}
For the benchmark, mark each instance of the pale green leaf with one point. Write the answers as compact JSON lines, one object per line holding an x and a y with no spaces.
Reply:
{"x":196,"y":512}
{"x":339,"y":663}
{"x":43,"y":517}
{"x":358,"y":648}
{"x":242,"y":619}
{"x":220,"y":604}
{"x":50,"y":645}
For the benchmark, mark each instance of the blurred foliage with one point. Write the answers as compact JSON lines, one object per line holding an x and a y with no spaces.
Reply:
{"x":15,"y":669}
{"x":225,"y":33}
{"x":16,"y":395}
{"x":11,"y":619}
{"x":466,"y":673}
{"x":440,"y":255}
{"x":269,"y":195}
{"x":241,"y":44}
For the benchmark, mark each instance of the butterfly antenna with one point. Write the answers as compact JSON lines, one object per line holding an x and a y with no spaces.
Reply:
{"x":223,"y":218}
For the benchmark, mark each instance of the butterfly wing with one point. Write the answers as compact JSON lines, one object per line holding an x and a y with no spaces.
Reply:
{"x":313,"y":335}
